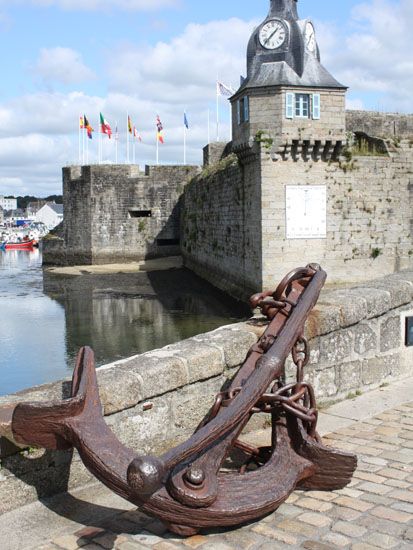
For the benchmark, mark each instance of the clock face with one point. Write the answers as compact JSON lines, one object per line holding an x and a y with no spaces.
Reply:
{"x":310,"y":41}
{"x":273,"y":34}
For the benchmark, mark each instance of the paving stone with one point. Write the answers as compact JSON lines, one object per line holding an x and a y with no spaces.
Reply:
{"x":392,"y":515}
{"x":108,"y":540}
{"x":377,"y":499}
{"x":346,"y":514}
{"x":296,"y":528}
{"x":318,"y":520}
{"x":276,"y":534}
{"x":349,"y":529}
{"x":129,"y":545}
{"x":354,"y":504}
{"x":363,"y":546}
{"x":406,"y":496}
{"x":366,"y":476}
{"x":381,"y":541}
{"x":383,"y":526}
{"x":313,"y":504}
{"x":70,"y":542}
{"x":404,"y":507}
{"x":315,"y":545}
{"x":166,"y":546}
{"x":397,"y":483}
{"x":243,"y":539}
{"x":375,"y":488}
{"x":339,"y":541}
{"x":195,"y":541}
{"x":145,"y":538}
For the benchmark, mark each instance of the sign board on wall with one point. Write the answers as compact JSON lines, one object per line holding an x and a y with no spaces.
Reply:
{"x":306,"y":212}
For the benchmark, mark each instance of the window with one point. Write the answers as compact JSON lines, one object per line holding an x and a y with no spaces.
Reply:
{"x":302,"y":105}
{"x":243,"y":110}
{"x":140,"y":213}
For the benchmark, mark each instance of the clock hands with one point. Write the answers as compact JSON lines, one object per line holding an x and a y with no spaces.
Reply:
{"x":272,"y":34}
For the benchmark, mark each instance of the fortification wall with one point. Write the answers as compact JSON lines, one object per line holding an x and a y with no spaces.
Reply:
{"x":221,"y":226}
{"x":119,"y":214}
{"x":385,"y":125}
{"x":155,"y":400}
{"x":237,"y":233}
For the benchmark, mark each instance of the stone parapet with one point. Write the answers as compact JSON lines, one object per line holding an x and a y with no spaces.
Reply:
{"x":384,"y":125}
{"x":155,"y":400}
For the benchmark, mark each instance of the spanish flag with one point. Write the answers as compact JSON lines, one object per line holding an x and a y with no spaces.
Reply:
{"x":159,"y":127}
{"x":81,"y":122}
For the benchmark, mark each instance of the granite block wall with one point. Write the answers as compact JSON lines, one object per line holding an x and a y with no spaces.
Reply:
{"x":155,"y":400}
{"x":384,"y":125}
{"x":120,"y":214}
{"x":239,"y":231}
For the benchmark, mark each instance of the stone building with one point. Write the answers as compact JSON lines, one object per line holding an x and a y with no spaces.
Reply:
{"x":290,"y":189}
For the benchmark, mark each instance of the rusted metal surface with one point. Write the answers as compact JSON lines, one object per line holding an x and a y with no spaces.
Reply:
{"x":191,"y":486}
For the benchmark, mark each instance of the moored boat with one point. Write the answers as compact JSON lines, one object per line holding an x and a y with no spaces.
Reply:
{"x":22,"y":245}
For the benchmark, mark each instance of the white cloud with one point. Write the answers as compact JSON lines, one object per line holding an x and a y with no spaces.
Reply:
{"x":94,"y":5}
{"x":376,"y":56}
{"x":61,"y":65}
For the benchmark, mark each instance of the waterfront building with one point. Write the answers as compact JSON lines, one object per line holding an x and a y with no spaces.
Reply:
{"x":8,"y":203}
{"x":51,"y":214}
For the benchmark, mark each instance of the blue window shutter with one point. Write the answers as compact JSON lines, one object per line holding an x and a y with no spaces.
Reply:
{"x":246,"y":109}
{"x":316,"y":106}
{"x":289,"y":105}
{"x":239,"y":111}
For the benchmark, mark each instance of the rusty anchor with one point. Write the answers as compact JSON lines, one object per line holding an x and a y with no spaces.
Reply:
{"x":189,"y":487}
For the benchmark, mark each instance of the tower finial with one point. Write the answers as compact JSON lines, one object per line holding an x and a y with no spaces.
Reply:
{"x":285,"y":9}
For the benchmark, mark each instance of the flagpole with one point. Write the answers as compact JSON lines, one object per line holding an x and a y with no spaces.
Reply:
{"x":116,"y":143}
{"x":100,"y":144}
{"x":83,"y":148}
{"x":230,"y":120}
{"x":217,"y":112}
{"x":80,"y":153}
{"x":134,"y":148}
{"x":127,"y":139}
{"x":209,"y":126}
{"x":157,"y":150}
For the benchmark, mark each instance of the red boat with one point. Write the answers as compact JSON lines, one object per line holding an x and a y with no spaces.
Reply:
{"x":23,"y":245}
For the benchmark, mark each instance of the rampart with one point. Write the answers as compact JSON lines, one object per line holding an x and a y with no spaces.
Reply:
{"x":393,"y":126}
{"x":119,"y":214}
{"x":234,"y":217}
{"x":155,"y":400}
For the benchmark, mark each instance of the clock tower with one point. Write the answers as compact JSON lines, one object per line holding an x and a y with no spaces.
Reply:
{"x":288,"y":98}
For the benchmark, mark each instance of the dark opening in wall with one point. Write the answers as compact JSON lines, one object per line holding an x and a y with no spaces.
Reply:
{"x":140,"y":213}
{"x":168,"y":242}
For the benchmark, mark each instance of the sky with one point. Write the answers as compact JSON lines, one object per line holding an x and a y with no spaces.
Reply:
{"x":63,"y":58}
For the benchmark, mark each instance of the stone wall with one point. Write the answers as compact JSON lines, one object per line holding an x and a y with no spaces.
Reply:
{"x":119,"y":214}
{"x":385,"y":125}
{"x":221,"y":226}
{"x":236,"y":236}
{"x":155,"y":400}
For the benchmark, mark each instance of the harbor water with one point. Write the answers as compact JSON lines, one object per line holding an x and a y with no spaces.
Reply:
{"x":45,"y":319}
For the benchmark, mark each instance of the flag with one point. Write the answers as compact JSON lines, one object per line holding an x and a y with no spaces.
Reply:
{"x":105,"y":126}
{"x":136,"y":134}
{"x":130,"y":130}
{"x":223,"y":90}
{"x":160,"y":129}
{"x":88,"y":127}
{"x":186,"y":121}
{"x":81,"y":122}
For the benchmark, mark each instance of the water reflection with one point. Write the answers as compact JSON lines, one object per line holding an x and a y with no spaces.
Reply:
{"x":44,"y":320}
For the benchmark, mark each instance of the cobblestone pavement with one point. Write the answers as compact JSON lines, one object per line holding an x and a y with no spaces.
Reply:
{"x":374,"y":511}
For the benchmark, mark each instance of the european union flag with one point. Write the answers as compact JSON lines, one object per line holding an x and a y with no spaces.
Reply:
{"x":186,"y":121}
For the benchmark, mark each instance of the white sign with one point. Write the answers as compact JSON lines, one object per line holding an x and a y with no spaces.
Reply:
{"x":306,"y":211}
